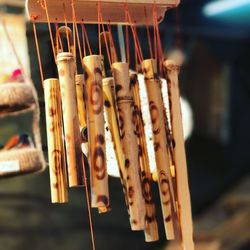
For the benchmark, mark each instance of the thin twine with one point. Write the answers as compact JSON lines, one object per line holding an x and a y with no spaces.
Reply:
{"x":76,"y":30}
{"x":88,"y":205}
{"x":65,"y":21}
{"x":86,"y":37}
{"x":135,"y":37}
{"x":106,"y":43}
{"x":38,"y":52}
{"x":127,"y":40}
{"x":148,"y":33}
{"x":59,"y":37}
{"x":44,"y":6}
{"x":99,"y":26}
{"x":83,"y":41}
{"x":112,"y":44}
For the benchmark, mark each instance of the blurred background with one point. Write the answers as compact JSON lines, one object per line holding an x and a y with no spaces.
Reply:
{"x":213,"y":37}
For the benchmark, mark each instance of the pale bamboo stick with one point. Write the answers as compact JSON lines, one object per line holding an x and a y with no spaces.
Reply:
{"x":95,"y":119}
{"x":129,"y":144}
{"x":66,"y":72}
{"x":57,"y":164}
{"x":114,"y":130}
{"x":153,"y":87}
{"x":184,"y":204}
{"x":81,"y":106}
{"x":151,"y":227}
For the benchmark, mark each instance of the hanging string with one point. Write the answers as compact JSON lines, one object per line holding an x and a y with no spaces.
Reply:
{"x":58,"y":38}
{"x":86,"y":37}
{"x":148,"y":33}
{"x":155,"y":37}
{"x":106,"y":42}
{"x":83,"y":40}
{"x":99,"y":26}
{"x":38,"y":52}
{"x":65,"y":21}
{"x":88,"y":206}
{"x":158,"y":41}
{"x":127,"y":40}
{"x":112,"y":44}
{"x":44,"y":6}
{"x":76,"y":29}
{"x":135,"y":37}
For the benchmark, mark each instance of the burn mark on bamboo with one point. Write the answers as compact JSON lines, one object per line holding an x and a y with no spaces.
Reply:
{"x":99,"y":163}
{"x":96,"y":98}
{"x":147,"y":191}
{"x":107,"y":104}
{"x":133,"y":80}
{"x":118,"y":87}
{"x":150,"y":219}
{"x":127,"y":163}
{"x":156,"y":146}
{"x":97,"y":70}
{"x":103,"y":199}
{"x":168,"y":218}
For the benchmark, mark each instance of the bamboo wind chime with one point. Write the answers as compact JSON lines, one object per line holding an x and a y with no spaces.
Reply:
{"x":77,"y":105}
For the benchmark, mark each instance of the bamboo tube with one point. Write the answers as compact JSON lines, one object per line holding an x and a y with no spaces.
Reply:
{"x":129,"y":144}
{"x":95,"y":119}
{"x":152,"y":82}
{"x":57,"y":164}
{"x":184,"y":204}
{"x":66,"y":72}
{"x":114,"y":130}
{"x":81,"y":108}
{"x":151,"y":227}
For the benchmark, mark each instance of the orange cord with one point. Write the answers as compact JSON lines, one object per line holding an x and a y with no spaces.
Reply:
{"x":86,"y":37}
{"x":50,"y":31}
{"x":38,"y":53}
{"x":112,"y":44}
{"x":88,"y":205}
{"x":65,"y":21}
{"x":148,"y":33}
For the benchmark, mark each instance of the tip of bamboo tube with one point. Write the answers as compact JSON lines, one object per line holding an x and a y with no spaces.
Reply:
{"x":64,"y":56}
{"x":107,"y":81}
{"x":50,"y":80}
{"x":170,"y":64}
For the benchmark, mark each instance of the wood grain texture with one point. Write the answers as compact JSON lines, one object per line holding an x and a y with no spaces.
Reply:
{"x":130,"y":145}
{"x":56,"y":155}
{"x":151,"y":227}
{"x":184,"y":204}
{"x":114,"y":130}
{"x":96,"y":137}
{"x":66,"y":72}
{"x":156,"y":108}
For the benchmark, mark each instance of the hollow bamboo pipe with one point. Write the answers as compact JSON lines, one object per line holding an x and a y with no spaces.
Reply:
{"x":66,"y":72}
{"x":81,"y":107}
{"x":114,"y":130}
{"x":95,"y":119}
{"x":57,"y":164}
{"x":184,"y":204}
{"x":152,"y":82}
{"x":129,"y":144}
{"x":151,"y":227}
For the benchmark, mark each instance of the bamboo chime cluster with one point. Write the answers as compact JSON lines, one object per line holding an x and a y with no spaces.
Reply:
{"x":75,"y":105}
